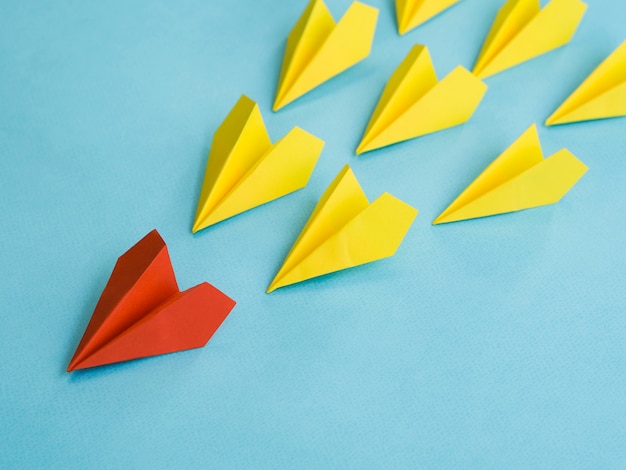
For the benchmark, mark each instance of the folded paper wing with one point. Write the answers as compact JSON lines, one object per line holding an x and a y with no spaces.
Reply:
{"x":522,"y":31}
{"x":518,"y":179}
{"x":345,"y":230}
{"x":142,"y":313}
{"x":412,"y":13}
{"x":414,"y":103}
{"x":246,"y":170}
{"x":602,"y":95}
{"x":318,"y":49}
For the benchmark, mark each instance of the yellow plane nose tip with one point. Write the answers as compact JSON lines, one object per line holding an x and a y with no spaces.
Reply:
{"x":440,"y":219}
{"x":363,"y":147}
{"x":279,"y":103}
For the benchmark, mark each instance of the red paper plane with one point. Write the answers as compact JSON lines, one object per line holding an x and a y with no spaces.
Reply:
{"x":142,"y":313}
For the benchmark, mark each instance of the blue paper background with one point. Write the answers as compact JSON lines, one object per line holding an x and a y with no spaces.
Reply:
{"x":494,"y":343}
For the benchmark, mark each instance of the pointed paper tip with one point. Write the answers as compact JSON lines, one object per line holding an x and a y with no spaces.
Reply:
{"x":362,"y":147}
{"x":205,"y":223}
{"x":275,"y":284}
{"x":551,"y":121}
{"x":278,"y":103}
{"x":196,"y":227}
{"x":441,"y":219}
{"x":72,"y":365}
{"x":479,"y":71}
{"x":75,"y":362}
{"x":403,"y":24}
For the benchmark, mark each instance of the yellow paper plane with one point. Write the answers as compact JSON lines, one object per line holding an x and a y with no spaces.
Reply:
{"x":318,"y":49}
{"x":518,"y":179}
{"x":602,"y":95}
{"x":414,"y":103}
{"x":345,"y":230}
{"x":412,"y":13}
{"x":246,"y":170}
{"x":522,"y":31}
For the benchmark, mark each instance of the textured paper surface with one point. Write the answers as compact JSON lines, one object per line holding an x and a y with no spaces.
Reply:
{"x":495,"y":343}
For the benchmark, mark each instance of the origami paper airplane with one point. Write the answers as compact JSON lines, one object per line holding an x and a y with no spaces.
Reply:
{"x":142,"y":313}
{"x":345,"y":230}
{"x":522,"y":31}
{"x":518,"y":179}
{"x":414,"y":103}
{"x":602,"y":95}
{"x":245,"y":169}
{"x":412,"y":13}
{"x":318,"y":49}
